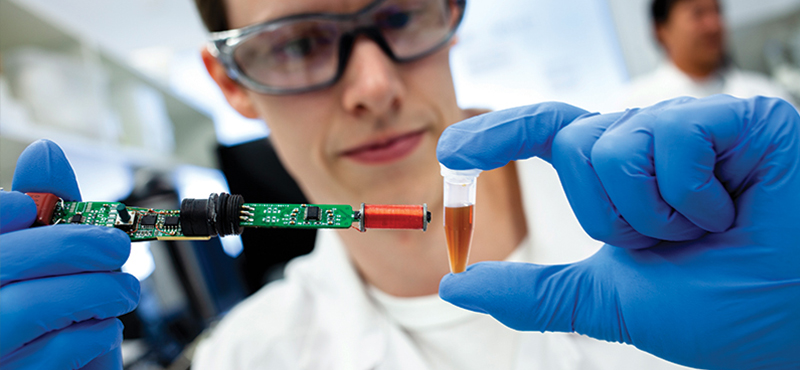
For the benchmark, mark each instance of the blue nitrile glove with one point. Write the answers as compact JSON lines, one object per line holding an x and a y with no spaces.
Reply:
{"x":59,"y":297}
{"x":705,"y":267}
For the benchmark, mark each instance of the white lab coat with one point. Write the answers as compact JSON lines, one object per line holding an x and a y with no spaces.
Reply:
{"x":322,"y":316}
{"x":668,"y":82}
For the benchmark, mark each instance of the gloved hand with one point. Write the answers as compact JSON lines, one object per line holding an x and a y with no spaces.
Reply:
{"x":59,"y":297}
{"x":701,"y":202}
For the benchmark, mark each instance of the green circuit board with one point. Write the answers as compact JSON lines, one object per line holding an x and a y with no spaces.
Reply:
{"x":297,"y":216}
{"x":164,"y":224}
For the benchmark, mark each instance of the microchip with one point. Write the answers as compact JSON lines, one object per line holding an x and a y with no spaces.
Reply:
{"x":312,"y":213}
{"x":171,"y":221}
{"x":76,"y":219}
{"x":148,"y":220}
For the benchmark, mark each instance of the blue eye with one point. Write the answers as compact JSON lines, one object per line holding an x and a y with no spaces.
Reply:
{"x":393,"y":18}
{"x":298,"y":47}
{"x":397,"y":20}
{"x":304,"y":46}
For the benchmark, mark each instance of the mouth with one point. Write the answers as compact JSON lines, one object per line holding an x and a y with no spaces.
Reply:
{"x":385,"y":150}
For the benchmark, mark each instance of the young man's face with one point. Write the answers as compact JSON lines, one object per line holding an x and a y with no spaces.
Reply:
{"x":372,"y":136}
{"x":694,"y":34}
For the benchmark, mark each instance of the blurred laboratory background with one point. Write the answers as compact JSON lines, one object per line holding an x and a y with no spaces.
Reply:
{"x":120,"y":85}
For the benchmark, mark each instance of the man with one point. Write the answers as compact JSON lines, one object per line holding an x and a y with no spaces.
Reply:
{"x":692,"y":34}
{"x":361,"y":123}
{"x":368,"y":300}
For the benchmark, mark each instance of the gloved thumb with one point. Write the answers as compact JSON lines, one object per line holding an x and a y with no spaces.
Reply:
{"x":43,"y":168}
{"x":17,"y":211}
{"x":529,"y":297}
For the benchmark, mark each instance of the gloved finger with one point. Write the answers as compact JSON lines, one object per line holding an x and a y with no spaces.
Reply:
{"x":623,"y":160}
{"x":110,"y":360}
{"x":728,"y":145}
{"x":32,"y":308}
{"x":43,"y":168}
{"x":706,"y":131}
{"x":61,"y":249}
{"x":589,"y":199}
{"x":529,"y":297}
{"x":491,"y":140}
{"x":17,"y":211}
{"x":70,"y":348}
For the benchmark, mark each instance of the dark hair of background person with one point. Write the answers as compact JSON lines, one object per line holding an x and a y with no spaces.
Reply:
{"x":659,"y":9}
{"x":213,"y":14}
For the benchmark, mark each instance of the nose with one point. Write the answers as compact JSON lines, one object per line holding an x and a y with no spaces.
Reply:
{"x":712,"y":20}
{"x":372,"y":83}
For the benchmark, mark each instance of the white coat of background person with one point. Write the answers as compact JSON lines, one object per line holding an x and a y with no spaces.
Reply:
{"x":692,"y":34}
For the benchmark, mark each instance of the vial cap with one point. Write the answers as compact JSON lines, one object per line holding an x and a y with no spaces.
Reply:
{"x":459,"y":176}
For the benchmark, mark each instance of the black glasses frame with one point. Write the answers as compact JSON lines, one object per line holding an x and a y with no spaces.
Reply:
{"x":223,"y":44}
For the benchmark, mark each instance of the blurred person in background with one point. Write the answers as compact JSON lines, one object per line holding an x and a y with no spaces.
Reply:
{"x":692,"y":34}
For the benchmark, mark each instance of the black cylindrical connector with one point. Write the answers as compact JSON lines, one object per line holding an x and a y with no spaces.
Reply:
{"x":217,"y":215}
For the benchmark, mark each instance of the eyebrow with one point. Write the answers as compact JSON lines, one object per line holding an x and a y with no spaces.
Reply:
{"x":327,"y":14}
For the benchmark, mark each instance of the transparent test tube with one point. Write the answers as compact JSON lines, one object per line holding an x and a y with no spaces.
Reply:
{"x":459,"y":214}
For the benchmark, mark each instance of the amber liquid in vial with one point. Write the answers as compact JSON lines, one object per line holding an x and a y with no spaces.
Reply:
{"x":458,"y":229}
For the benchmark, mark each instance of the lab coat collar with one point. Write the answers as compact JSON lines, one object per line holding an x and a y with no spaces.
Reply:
{"x":352,"y":325}
{"x":715,"y":82}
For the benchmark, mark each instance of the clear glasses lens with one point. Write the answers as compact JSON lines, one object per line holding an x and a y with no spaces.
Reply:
{"x":305,"y":53}
{"x":292,"y":56}
{"x":415,"y":27}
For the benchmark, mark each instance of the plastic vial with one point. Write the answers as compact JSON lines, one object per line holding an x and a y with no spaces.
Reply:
{"x":459,"y":214}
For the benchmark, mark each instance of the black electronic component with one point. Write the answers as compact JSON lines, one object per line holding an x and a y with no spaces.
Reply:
{"x":148,"y":220}
{"x":220,"y":214}
{"x":123,"y":213}
{"x":171,"y":221}
{"x":76,"y":219}
{"x":312,"y":213}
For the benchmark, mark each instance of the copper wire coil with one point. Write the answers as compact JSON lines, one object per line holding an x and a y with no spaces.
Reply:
{"x":398,"y":217}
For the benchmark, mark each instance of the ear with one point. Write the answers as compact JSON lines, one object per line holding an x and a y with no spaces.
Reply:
{"x":454,"y":40}
{"x":658,"y":31}
{"x":236,"y":95}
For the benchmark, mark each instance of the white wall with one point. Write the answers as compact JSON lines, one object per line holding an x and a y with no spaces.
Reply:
{"x":518,"y":52}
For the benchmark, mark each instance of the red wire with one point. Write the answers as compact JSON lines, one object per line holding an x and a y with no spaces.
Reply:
{"x":405,"y":217}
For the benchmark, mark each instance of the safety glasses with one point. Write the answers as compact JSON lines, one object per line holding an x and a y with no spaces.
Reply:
{"x":306,"y":52}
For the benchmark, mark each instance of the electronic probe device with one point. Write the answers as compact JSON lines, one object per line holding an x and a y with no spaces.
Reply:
{"x":224,"y":214}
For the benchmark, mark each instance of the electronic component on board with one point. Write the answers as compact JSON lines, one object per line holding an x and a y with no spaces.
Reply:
{"x":171,"y":221}
{"x":121,"y":221}
{"x":123,"y":213}
{"x":45,"y":206}
{"x":312,"y":213}
{"x":217,"y":215}
{"x":394,"y":217}
{"x":148,"y":220}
